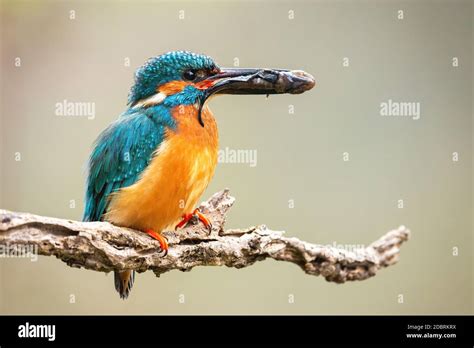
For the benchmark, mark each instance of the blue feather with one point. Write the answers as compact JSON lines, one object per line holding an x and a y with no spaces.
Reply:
{"x":121,"y":154}
{"x":161,"y":69}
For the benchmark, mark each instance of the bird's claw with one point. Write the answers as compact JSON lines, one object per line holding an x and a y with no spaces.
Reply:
{"x":160,"y":238}
{"x":195,"y":214}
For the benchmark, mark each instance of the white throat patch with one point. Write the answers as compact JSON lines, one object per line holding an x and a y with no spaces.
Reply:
{"x":155,"y":99}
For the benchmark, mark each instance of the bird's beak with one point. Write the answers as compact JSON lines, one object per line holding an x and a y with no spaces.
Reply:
{"x":256,"y":81}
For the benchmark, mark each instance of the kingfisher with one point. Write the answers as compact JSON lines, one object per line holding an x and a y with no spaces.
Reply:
{"x":148,"y":168}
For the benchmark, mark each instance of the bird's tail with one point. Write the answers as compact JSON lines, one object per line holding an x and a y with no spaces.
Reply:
{"x":124,"y":282}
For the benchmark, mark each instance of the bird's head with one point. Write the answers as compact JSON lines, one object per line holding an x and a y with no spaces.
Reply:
{"x":185,"y":78}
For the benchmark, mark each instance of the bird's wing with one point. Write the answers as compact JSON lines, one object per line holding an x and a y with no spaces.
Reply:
{"x":120,"y":155}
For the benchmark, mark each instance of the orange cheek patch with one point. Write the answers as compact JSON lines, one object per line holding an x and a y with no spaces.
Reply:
{"x":172,"y":87}
{"x":177,"y":86}
{"x":204,"y":84}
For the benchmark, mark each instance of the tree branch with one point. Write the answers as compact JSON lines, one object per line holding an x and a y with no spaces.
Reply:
{"x":103,"y":247}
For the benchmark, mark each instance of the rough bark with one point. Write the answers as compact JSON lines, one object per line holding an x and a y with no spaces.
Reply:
{"x":103,"y":247}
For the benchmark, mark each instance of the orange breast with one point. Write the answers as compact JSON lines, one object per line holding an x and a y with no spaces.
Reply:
{"x":176,"y":177}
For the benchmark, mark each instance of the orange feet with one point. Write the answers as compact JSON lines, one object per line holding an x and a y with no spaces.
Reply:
{"x":196,"y":213}
{"x":159,"y":238}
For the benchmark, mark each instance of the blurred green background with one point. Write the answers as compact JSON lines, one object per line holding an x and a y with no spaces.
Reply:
{"x":300,"y":155}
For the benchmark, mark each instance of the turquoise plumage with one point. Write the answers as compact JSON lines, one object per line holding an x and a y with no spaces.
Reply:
{"x":121,"y":153}
{"x":165,"y":68}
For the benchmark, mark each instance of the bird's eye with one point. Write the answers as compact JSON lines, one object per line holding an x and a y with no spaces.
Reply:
{"x":189,"y":75}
